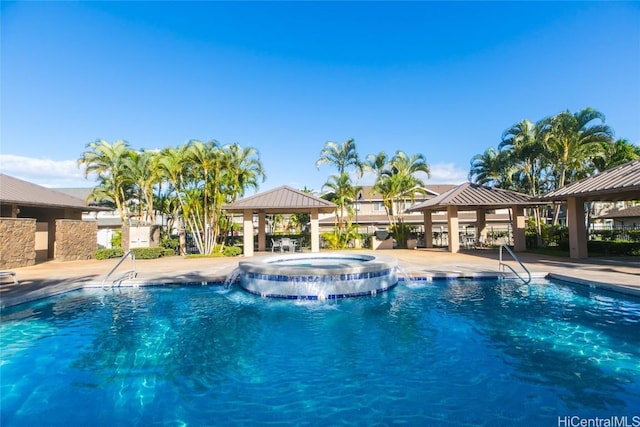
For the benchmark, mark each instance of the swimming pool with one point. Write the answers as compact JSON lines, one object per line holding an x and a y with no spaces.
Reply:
{"x":430,"y":353}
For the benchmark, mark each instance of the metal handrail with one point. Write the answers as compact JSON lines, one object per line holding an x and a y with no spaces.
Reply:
{"x":129,"y":274}
{"x":503,"y":265}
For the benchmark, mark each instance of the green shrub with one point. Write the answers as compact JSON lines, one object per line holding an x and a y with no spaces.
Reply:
{"x":116,"y":239}
{"x":169,"y":242}
{"x":232,"y":251}
{"x":109,"y":253}
{"x":150,"y":253}
{"x":634,"y":235}
{"x":218,"y":251}
{"x":613,"y":248}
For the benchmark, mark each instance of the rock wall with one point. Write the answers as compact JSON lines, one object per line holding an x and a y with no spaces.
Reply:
{"x":75,"y":240}
{"x":17,"y":242}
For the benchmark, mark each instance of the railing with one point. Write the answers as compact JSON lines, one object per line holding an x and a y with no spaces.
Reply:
{"x":129,"y":274}
{"x":504,"y":265}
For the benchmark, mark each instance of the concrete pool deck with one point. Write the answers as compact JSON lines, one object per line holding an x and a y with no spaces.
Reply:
{"x":620,"y":274}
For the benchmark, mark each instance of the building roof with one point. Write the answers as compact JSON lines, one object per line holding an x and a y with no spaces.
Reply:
{"x":471,"y":196}
{"x":282,"y":199}
{"x":367,"y":192}
{"x":631,"y":212}
{"x":19,"y":192}
{"x":618,"y":183}
{"x":437,"y":218}
{"x":78,"y":193}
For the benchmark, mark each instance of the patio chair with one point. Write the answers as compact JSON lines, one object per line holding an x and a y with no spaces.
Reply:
{"x":276,"y":245}
{"x":11,"y":274}
{"x":290,"y":245}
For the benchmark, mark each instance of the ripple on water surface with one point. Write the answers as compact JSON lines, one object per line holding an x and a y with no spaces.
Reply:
{"x":477,"y":352}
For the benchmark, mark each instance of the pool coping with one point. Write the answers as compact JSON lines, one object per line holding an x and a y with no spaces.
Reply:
{"x":220,"y":280}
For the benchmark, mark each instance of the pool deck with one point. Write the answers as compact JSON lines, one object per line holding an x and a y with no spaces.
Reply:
{"x":53,"y":277}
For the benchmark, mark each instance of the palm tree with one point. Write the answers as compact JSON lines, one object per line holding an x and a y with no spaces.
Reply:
{"x":621,"y":151}
{"x":108,"y":162}
{"x":343,"y":195}
{"x":376,"y":163}
{"x":341,"y":156}
{"x":572,"y":142}
{"x":524,"y":152}
{"x":142,"y":172}
{"x":398,"y":184}
{"x":244,"y":170}
{"x":490,"y":168}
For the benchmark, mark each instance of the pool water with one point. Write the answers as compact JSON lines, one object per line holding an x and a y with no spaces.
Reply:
{"x":431,"y":353}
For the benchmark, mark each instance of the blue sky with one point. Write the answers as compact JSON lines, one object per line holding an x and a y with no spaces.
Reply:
{"x":443,"y":79}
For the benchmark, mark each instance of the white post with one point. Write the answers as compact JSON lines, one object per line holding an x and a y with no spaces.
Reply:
{"x":247,"y":228}
{"x":454,"y":238}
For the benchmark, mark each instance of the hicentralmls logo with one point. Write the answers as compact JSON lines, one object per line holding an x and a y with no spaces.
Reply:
{"x":613,"y":421}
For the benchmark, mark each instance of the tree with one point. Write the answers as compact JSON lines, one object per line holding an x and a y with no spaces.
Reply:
{"x":523,"y":156}
{"x":398,"y":184}
{"x":108,"y":162}
{"x":620,"y":152}
{"x":344,"y":195}
{"x":490,"y":168}
{"x":142,"y":173}
{"x":340,"y":156}
{"x":572,"y":141}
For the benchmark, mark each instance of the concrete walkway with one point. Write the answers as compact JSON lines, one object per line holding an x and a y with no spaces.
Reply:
{"x":51,"y":278}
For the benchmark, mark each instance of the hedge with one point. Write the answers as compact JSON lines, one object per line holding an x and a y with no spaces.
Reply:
{"x":603,"y":247}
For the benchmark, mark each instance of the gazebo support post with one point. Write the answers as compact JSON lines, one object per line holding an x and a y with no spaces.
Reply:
{"x":262,"y":225}
{"x":481,"y":224}
{"x":428,"y":229}
{"x":577,"y":228}
{"x":519,"y":236}
{"x":315,"y":231}
{"x":454,"y":237}
{"x":247,"y":229}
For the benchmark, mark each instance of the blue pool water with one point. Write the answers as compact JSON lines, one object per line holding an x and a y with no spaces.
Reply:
{"x":432,"y":353}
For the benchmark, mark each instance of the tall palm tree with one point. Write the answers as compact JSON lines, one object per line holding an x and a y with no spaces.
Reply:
{"x":398,"y":184}
{"x":341,"y":156}
{"x":524,"y":152}
{"x":343,"y":195}
{"x":524,"y":155}
{"x":108,"y":162}
{"x":617,"y":153}
{"x":205,"y":162}
{"x":142,"y":172}
{"x":572,"y":141}
{"x":245,"y":169}
{"x":376,"y":163}
{"x":490,"y":168}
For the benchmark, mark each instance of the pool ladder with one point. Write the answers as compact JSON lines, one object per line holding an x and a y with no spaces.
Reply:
{"x":127,"y":275}
{"x":504,"y":265}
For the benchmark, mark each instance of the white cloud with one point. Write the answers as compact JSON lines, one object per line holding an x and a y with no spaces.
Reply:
{"x":447,"y":173}
{"x":45,"y":172}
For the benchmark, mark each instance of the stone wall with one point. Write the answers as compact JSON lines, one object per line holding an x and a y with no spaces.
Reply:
{"x":18,"y":242}
{"x":75,"y":240}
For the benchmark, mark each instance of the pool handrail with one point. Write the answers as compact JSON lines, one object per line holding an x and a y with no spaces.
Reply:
{"x":515,"y":257}
{"x":129,"y":274}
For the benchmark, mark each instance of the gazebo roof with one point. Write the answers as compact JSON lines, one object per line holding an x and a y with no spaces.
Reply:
{"x":618,"y":183}
{"x":282,"y":199}
{"x":19,"y":192}
{"x":472,"y":196}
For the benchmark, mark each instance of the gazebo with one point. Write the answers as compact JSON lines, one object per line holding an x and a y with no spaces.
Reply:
{"x":470,"y":196}
{"x":280,"y":200}
{"x":615,"y":184}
